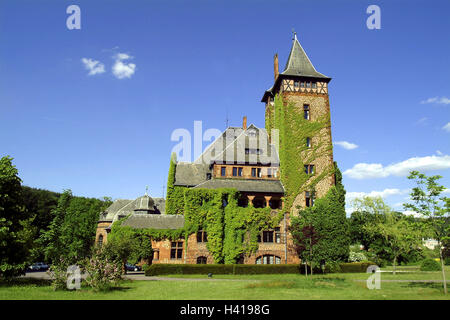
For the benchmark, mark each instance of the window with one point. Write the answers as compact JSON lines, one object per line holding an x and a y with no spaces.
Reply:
{"x":308,"y":142}
{"x":235,"y":171}
{"x":302,"y":84}
{"x":201,"y":260}
{"x":269,"y":172}
{"x":309,"y":168}
{"x":268,"y":259}
{"x":277,"y":235}
{"x":314,"y":85}
{"x":254,"y":172}
{"x":156,"y":255}
{"x":240,"y":171}
{"x":296,"y":84}
{"x":100,"y":240}
{"x":202,"y":236}
{"x":222,"y":171}
{"x":309,"y":199}
{"x":208,"y":176}
{"x":267,"y":236}
{"x":306,"y":111}
{"x":176,"y":250}
{"x":308,"y":84}
{"x":252,"y":151}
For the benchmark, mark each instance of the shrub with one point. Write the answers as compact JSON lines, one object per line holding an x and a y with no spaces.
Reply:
{"x":160,"y":269}
{"x":355,"y":267}
{"x":430,"y":265}
{"x":103,"y":272}
{"x":58,"y":274}
{"x":357,"y":256}
{"x":332,"y":267}
{"x":447,"y":261}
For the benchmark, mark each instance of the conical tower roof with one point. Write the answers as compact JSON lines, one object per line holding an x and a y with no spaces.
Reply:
{"x":298,"y":63}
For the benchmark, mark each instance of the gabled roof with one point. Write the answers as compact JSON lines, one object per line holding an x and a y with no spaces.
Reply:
{"x":155,"y":221}
{"x":122,"y":207}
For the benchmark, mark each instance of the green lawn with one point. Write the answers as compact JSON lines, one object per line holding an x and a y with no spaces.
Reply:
{"x":331,"y":286}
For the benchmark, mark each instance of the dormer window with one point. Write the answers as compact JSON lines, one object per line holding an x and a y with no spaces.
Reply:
{"x":252,"y":151}
{"x":308,"y":142}
{"x":251,"y":133}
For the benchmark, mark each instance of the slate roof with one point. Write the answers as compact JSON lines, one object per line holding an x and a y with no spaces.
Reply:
{"x":122,"y":207}
{"x":155,"y":221}
{"x":190,"y":174}
{"x":298,"y":63}
{"x":244,"y":185}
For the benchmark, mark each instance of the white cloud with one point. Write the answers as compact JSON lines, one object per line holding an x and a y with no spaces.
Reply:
{"x":446,"y":127}
{"x":346,"y":145}
{"x":123,"y":69}
{"x":400,"y":169}
{"x":385,"y":193}
{"x":94,"y":66}
{"x":437,"y":100}
{"x":439,"y":153}
{"x":412,"y":213}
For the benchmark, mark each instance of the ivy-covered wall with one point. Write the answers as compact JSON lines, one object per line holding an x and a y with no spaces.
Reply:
{"x":175,"y":194}
{"x":293,"y":151}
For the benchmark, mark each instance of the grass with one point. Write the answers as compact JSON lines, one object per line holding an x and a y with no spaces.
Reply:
{"x":250,"y":287}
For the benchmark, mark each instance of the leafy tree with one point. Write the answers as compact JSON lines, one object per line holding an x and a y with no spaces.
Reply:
{"x":72,"y":231}
{"x":427,"y":202}
{"x":400,"y":235}
{"x":305,"y":238}
{"x":328,"y":218}
{"x":14,"y":235}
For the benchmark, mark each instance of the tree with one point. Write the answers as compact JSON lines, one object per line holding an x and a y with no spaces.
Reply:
{"x":328,"y":218}
{"x":305,"y":238}
{"x":14,"y":235}
{"x":427,"y":202}
{"x":399,"y":233}
{"x":71,"y":233}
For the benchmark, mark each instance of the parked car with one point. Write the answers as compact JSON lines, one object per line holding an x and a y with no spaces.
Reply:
{"x":38,"y":266}
{"x":132,"y":267}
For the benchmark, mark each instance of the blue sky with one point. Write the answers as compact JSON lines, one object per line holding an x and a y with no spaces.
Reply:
{"x":161,"y":65}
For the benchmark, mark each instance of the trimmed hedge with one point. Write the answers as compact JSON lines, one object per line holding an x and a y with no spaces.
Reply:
{"x":355,"y":267}
{"x":161,"y":269}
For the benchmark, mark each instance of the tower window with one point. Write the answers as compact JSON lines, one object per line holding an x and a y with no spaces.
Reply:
{"x":309,"y":168}
{"x":202,"y":236}
{"x":222,"y":171}
{"x":309,"y":198}
{"x":202,"y":260}
{"x":308,"y":142}
{"x":267,"y":236}
{"x":306,"y":111}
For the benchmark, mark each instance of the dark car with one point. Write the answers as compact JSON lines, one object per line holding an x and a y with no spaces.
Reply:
{"x":132,"y":267}
{"x":38,"y":266}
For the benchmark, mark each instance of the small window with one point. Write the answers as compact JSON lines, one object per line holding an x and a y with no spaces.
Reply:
{"x":254,"y":172}
{"x":269,"y":172}
{"x":201,"y":260}
{"x":314,"y":85}
{"x":240,"y":171}
{"x":309,"y":199}
{"x":156,"y":255}
{"x":267,"y":236}
{"x":100,"y":240}
{"x":258,"y":172}
{"x":208,"y":176}
{"x":296,"y":84}
{"x":302,"y":84}
{"x":222,"y":171}
{"x":308,"y":84}
{"x":277,"y":235}
{"x":309,"y":169}
{"x":202,"y":236}
{"x":235,"y":171}
{"x":306,"y":111}
{"x":176,"y":250}
{"x":308,"y":142}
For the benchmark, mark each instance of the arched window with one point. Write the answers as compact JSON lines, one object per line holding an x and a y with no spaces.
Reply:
{"x":201,"y":260}
{"x":268,"y":259}
{"x":100,"y":240}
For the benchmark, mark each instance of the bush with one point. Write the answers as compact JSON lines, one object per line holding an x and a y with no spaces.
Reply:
{"x":355,"y":267}
{"x":447,"y":261}
{"x":161,"y":269}
{"x":357,"y":256}
{"x":103,"y":272}
{"x":332,"y":267}
{"x":430,"y":265}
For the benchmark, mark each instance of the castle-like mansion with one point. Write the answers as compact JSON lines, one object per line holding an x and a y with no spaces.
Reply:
{"x":246,"y":159}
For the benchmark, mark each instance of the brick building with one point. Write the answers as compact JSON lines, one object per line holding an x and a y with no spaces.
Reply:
{"x":246,"y":159}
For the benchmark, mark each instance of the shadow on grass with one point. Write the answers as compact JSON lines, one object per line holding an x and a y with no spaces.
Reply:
{"x":427,"y":285}
{"x":25,"y":282}
{"x":301,"y":284}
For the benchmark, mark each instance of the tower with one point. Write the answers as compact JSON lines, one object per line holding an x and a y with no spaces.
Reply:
{"x":298,"y":106}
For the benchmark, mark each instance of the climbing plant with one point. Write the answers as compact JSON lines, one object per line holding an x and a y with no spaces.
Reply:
{"x":174,"y":197}
{"x":293,"y":150}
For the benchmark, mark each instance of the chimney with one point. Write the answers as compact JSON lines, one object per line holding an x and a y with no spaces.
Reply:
{"x":275,"y":66}
{"x":244,"y":123}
